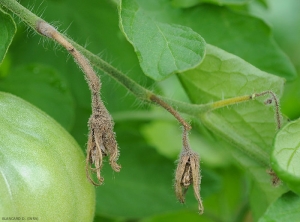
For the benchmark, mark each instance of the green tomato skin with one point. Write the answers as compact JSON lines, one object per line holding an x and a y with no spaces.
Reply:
{"x":42,"y":168}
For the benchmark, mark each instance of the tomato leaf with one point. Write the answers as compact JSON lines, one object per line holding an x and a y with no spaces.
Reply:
{"x":285,"y":208}
{"x":250,"y":126}
{"x":286,"y":154}
{"x":7,"y":30}
{"x":243,"y":35}
{"x":191,"y":3}
{"x":262,"y":192}
{"x":163,"y":49}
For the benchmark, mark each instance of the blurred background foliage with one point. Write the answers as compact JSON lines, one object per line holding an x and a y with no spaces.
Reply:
{"x":150,"y":139}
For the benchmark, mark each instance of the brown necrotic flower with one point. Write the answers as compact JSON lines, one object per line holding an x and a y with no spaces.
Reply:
{"x":101,"y":141}
{"x":188,"y":173}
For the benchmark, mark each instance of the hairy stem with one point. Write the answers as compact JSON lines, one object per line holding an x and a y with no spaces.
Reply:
{"x":101,"y":140}
{"x":239,"y":99}
{"x":171,"y":110}
{"x":139,"y":91}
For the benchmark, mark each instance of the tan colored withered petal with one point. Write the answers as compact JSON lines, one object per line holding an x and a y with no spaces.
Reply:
{"x":194,"y":159}
{"x":180,"y":175}
{"x":187,"y":173}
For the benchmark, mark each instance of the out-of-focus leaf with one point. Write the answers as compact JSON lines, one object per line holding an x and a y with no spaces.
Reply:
{"x":287,"y":33}
{"x":262,"y":193}
{"x":285,"y":208}
{"x":5,"y":66}
{"x":290,"y":102}
{"x":191,"y":3}
{"x":286,"y":155}
{"x":179,"y":217}
{"x":223,"y":204}
{"x":7,"y":30}
{"x":286,"y":29}
{"x":43,"y":87}
{"x":163,"y":49}
{"x":243,"y":35}
{"x":229,"y":200}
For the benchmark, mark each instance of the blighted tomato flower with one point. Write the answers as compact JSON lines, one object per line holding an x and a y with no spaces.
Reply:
{"x":188,"y":173}
{"x":101,"y":141}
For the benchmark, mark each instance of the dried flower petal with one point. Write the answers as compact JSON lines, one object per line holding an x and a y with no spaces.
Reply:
{"x":187,"y":173}
{"x":194,"y":159}
{"x":180,"y":175}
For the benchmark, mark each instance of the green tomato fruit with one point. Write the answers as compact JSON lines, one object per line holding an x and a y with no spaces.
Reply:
{"x":42,"y":168}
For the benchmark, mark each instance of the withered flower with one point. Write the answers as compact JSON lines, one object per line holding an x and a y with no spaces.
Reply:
{"x":187,"y":173}
{"x":101,"y":142}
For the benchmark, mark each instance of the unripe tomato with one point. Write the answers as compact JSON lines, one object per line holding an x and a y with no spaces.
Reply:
{"x":42,"y":168}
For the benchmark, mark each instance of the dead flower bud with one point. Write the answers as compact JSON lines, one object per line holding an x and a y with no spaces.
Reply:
{"x":101,"y":143}
{"x":187,"y":173}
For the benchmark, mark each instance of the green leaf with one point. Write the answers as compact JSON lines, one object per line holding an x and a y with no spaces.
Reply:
{"x":163,"y":49}
{"x":191,"y":3}
{"x":262,"y":192}
{"x":243,"y":35}
{"x":239,"y":33}
{"x":7,"y":30}
{"x":286,"y":208}
{"x":250,"y":126}
{"x":230,"y":199}
{"x":179,"y":217}
{"x":286,"y":155}
{"x":45,"y":88}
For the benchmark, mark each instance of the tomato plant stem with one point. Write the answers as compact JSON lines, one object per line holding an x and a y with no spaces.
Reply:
{"x":172,"y":106}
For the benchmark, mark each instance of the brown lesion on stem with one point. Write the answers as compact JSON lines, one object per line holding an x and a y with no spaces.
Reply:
{"x":101,"y":139}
